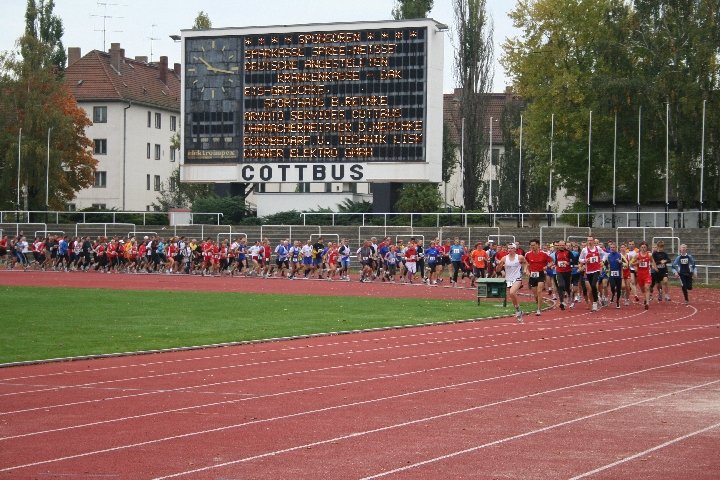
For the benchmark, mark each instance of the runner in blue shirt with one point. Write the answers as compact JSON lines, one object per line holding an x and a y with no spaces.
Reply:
{"x":434,"y":263}
{"x":456,"y":253}
{"x":614,"y":263}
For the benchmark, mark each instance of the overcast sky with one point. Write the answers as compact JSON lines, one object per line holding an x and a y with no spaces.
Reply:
{"x":134,"y":22}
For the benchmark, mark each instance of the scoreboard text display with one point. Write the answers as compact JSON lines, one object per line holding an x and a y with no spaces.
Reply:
{"x":354,"y":102}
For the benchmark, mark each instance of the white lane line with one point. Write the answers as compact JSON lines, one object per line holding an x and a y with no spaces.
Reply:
{"x":516,"y":437}
{"x":308,"y":347}
{"x":357,"y":382}
{"x":648,"y":451}
{"x":354,"y":404}
{"x":353,"y":365}
{"x":336,"y":354}
{"x":313,"y":346}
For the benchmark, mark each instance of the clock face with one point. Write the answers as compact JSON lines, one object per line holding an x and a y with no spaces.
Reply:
{"x":212,"y":67}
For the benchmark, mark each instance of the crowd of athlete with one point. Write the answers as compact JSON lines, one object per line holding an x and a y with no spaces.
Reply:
{"x":599,"y":273}
{"x":596,"y":272}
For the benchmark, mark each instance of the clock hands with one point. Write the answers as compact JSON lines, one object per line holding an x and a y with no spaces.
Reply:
{"x":211,"y":68}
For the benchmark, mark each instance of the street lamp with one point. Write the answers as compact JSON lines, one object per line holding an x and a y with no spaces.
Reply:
{"x":19,"y":154}
{"x":520,"y":176}
{"x":47,"y":176}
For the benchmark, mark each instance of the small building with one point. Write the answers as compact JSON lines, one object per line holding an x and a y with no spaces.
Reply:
{"x":135,"y":109}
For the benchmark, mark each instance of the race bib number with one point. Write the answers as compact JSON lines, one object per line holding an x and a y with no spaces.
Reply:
{"x":614,"y":273}
{"x":643,"y":264}
{"x":562,"y":264}
{"x":684,"y":261}
{"x":535,"y":274}
{"x":661,"y":265}
{"x":593,"y":260}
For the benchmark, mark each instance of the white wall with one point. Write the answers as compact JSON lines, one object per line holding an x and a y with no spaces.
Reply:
{"x":137,"y":166}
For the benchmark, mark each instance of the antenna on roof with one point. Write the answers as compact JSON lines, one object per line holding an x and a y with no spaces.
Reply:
{"x":152,"y":38}
{"x":105,"y":16}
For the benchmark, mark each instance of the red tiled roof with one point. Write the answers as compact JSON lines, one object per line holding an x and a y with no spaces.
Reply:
{"x":93,"y":78}
{"x":495,"y":109}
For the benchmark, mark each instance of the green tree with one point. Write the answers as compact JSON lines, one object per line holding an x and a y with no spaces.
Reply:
{"x":418,"y":197}
{"x":612,"y":58}
{"x":473,"y":72}
{"x":43,"y":26}
{"x":449,"y":157}
{"x":406,"y":9}
{"x":36,"y":101}
{"x":176,"y":194}
{"x":202,"y":21}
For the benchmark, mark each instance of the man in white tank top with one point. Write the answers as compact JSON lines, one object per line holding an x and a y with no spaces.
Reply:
{"x":513,"y":265}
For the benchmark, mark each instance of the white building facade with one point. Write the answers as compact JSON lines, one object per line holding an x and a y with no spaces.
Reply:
{"x":135,"y":110}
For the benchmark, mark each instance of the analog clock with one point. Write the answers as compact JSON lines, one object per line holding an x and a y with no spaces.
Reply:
{"x":212,"y":67}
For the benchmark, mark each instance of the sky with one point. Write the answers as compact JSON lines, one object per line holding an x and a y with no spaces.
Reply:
{"x":139,"y":25}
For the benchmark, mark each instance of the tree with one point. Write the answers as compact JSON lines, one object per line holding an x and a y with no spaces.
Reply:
{"x":44,"y":26}
{"x":176,"y":194}
{"x":406,"y":9}
{"x":613,"y":58}
{"x":418,"y":197}
{"x":473,"y":73}
{"x":36,"y":100}
{"x":202,"y":21}
{"x":449,"y":158}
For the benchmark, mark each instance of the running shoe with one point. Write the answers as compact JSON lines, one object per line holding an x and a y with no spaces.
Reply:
{"x":594,"y":307}
{"x":572,"y":305}
{"x":562,"y":306}
{"x":519,"y":316}
{"x":647,"y":307}
{"x":667,"y":298}
{"x":538,"y":313}
{"x":660,"y":299}
{"x":617,"y":305}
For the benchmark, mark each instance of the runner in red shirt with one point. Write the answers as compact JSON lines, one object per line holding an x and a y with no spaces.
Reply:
{"x":644,"y":264}
{"x":591,"y":258}
{"x":537,"y":262}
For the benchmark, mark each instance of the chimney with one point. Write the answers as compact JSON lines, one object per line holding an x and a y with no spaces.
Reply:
{"x":163,"y":69}
{"x":142,"y":59}
{"x":74,"y":54}
{"x":176,"y":68}
{"x":115,"y":56}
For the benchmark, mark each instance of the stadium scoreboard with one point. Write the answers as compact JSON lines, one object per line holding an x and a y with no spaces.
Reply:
{"x":354,"y":102}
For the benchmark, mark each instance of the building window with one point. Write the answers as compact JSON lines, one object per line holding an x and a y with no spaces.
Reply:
{"x":149,"y":119}
{"x":100,"y":146}
{"x":349,"y":188}
{"x":328,"y":187}
{"x":259,"y":188}
{"x":99,"y":114}
{"x":157,"y":183}
{"x":158,"y":120}
{"x":303,"y":187}
{"x":99,"y":206}
{"x":148,"y":182}
{"x":172,"y":154}
{"x":157,"y":152}
{"x":148,"y":151}
{"x":173,"y":123}
{"x":100,"y":180}
{"x":71,"y":207}
{"x":173,"y":184}
{"x":495,"y":156}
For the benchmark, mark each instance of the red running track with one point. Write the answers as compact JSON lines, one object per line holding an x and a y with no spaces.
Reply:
{"x":614,"y":394}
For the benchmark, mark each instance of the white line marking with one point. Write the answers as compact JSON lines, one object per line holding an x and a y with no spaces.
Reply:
{"x":356,"y":382}
{"x":412,"y":422}
{"x":519,"y":436}
{"x":336,"y":354}
{"x":352,"y":365}
{"x":645,"y":452}
{"x":354,"y":404}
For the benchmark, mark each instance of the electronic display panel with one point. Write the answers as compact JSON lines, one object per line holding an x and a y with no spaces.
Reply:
{"x":356,"y":103}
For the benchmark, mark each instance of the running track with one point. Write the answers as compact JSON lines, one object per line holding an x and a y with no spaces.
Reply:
{"x":614,"y":394}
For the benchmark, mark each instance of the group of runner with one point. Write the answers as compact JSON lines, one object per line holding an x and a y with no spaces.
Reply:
{"x":601,"y":274}
{"x":596,"y":272}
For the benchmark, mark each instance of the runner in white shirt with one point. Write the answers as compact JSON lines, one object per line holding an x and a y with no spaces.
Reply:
{"x":513,"y":265}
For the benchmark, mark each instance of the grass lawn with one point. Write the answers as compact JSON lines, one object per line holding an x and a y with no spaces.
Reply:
{"x":43,"y":323}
